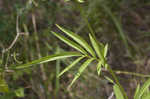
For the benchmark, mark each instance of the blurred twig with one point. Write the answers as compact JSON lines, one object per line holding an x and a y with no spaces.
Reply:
{"x":43,"y":74}
{"x":17,"y":36}
{"x":118,"y":72}
{"x":38,"y":46}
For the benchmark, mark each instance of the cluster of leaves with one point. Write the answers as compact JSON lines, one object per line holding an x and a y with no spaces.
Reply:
{"x":85,"y":52}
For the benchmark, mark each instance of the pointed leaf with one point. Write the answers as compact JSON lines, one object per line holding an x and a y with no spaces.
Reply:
{"x":137,"y":91}
{"x":78,"y":39}
{"x":118,"y":92}
{"x":81,"y":69}
{"x":70,"y":43}
{"x":99,"y":65}
{"x":105,"y":50}
{"x":47,"y":59}
{"x":71,"y":65}
{"x":95,"y":46}
{"x":101,"y":47}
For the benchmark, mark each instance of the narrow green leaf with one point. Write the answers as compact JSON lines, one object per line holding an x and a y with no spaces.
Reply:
{"x":137,"y":91}
{"x":71,"y":65}
{"x":81,"y":69}
{"x":70,"y":43}
{"x":144,"y":88}
{"x":105,"y":50}
{"x":99,"y":65}
{"x":101,"y":46}
{"x":78,"y":39}
{"x":118,"y":92}
{"x":58,"y":66}
{"x":95,"y":46}
{"x":47,"y":59}
{"x":106,"y":66}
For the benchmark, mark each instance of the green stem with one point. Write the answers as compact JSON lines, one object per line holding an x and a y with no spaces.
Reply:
{"x":117,"y":81}
{"x":57,"y":86}
{"x":131,"y":73}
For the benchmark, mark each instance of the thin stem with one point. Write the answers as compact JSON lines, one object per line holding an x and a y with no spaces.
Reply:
{"x":117,"y":81}
{"x":57,"y":86}
{"x":127,"y":73}
{"x":44,"y":77}
{"x":131,"y":73}
{"x":17,"y":36}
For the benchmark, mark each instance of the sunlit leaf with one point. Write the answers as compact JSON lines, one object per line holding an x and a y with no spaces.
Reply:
{"x":47,"y":59}
{"x":96,"y":46}
{"x":70,"y":43}
{"x":78,"y":39}
{"x":105,"y":50}
{"x":81,"y":69}
{"x":118,"y":92}
{"x":137,"y":91}
{"x":71,"y":65}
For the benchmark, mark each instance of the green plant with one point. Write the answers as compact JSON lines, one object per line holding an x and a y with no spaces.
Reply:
{"x":85,"y":51}
{"x":97,"y":53}
{"x":93,"y":12}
